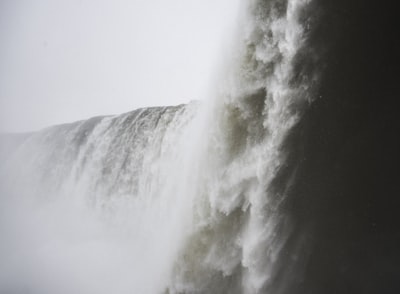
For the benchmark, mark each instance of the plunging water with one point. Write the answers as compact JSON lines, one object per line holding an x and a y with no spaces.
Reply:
{"x":163,"y":200}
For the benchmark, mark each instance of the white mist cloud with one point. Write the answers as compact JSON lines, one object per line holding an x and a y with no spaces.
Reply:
{"x":62,"y":61}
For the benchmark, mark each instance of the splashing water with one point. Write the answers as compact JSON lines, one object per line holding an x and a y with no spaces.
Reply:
{"x":163,"y":200}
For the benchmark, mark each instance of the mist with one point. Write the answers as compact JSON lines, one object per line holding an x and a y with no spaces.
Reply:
{"x":62,"y":61}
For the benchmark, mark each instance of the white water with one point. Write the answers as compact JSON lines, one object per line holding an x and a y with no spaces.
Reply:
{"x":170,"y":198}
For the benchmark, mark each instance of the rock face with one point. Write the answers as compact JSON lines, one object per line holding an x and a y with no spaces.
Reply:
{"x":346,"y":196}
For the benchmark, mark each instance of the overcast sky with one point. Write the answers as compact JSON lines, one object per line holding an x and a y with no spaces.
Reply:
{"x":66,"y":60}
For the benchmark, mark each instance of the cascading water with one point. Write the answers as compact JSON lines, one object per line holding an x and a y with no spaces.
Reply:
{"x":163,"y":200}
{"x":238,"y":229}
{"x":104,"y":199}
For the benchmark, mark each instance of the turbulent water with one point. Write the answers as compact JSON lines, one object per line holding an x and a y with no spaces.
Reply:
{"x":223,"y":196}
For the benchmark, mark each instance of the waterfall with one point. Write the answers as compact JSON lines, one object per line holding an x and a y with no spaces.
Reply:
{"x":239,"y":230}
{"x":167,"y":199}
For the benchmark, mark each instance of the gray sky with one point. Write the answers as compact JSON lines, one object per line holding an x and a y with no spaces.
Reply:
{"x":65,"y":60}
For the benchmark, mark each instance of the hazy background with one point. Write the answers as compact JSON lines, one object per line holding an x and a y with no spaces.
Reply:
{"x":67,"y":60}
